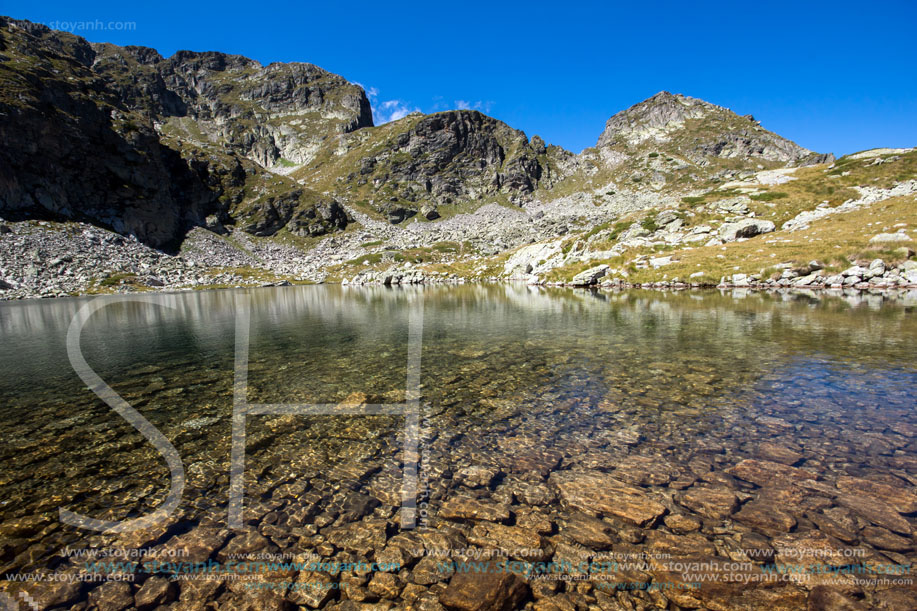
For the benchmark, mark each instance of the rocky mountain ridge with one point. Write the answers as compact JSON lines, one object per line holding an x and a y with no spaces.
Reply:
{"x":659,"y":120}
{"x":429,"y":163}
{"x":265,"y":173}
{"x":127,"y":140}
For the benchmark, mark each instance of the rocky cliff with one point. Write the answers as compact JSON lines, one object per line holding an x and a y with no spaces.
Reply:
{"x":149,"y":147}
{"x":683,"y":139}
{"x":432,"y":164}
{"x":281,"y":113}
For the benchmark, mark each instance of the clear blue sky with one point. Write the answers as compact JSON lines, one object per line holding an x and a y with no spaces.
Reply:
{"x":833,"y":76}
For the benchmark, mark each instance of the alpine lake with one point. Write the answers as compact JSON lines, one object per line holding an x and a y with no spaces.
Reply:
{"x":564,"y":450}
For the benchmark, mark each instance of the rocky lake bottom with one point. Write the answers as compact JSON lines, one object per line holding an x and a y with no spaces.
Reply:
{"x":573,"y":450}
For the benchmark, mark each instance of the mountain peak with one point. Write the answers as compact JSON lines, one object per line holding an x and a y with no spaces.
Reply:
{"x":695,"y":130}
{"x":652,"y":118}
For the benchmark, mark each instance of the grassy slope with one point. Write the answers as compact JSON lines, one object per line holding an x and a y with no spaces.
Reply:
{"x":835,"y":240}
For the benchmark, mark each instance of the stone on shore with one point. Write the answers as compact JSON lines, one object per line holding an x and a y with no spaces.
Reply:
{"x":590,"y":276}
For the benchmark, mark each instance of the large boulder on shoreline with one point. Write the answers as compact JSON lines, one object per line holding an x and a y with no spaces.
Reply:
{"x":590,"y":276}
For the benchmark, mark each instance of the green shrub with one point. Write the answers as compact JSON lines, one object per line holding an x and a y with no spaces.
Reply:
{"x":119,"y":278}
{"x":446,"y":247}
{"x":618,"y":229}
{"x":769,"y":196}
{"x":649,"y":223}
{"x":370,"y":259}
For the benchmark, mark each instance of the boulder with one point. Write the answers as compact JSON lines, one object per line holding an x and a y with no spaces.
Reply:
{"x":429,"y":212}
{"x":747,"y":228}
{"x":889,"y":238}
{"x":597,"y":492}
{"x":809,"y":280}
{"x":590,"y":276}
{"x":488,"y":590}
{"x":856,"y":270}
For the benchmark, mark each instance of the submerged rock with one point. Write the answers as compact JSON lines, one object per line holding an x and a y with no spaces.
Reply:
{"x":764,"y":472}
{"x":598,"y":493}
{"x":468,"y":508}
{"x":488,"y":590}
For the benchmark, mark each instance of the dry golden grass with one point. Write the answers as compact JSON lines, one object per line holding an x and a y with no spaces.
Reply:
{"x":835,"y":241}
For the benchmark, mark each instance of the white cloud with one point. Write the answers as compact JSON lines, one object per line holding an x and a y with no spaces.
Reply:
{"x":478,"y":105}
{"x":386,"y":111}
{"x":392,"y":110}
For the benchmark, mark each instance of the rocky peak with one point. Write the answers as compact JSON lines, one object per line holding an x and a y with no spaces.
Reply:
{"x":25,"y":36}
{"x":696,"y":131}
{"x":280,"y":113}
{"x":151,"y":147}
{"x":428,"y":161}
{"x":652,"y":118}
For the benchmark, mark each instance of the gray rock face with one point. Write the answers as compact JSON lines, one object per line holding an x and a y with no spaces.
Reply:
{"x":663,"y":118}
{"x":264,"y":113}
{"x":104,"y":134}
{"x":590,"y":276}
{"x":747,"y":228}
{"x":449,"y":158}
{"x":654,"y":115}
{"x":302,"y":212}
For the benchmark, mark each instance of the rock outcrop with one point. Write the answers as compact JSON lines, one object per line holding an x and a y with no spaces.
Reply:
{"x":281,"y":113}
{"x":149,"y":147}
{"x":425,"y":163}
{"x":695,"y":131}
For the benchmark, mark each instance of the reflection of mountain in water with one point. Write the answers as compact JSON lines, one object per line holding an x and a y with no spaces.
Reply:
{"x":203,"y":323}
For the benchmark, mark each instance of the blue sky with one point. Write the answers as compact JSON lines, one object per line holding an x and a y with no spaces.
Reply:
{"x":833,"y":76}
